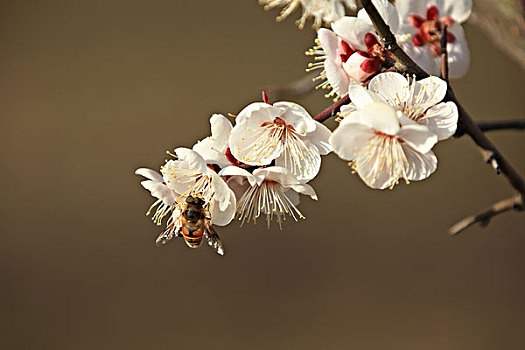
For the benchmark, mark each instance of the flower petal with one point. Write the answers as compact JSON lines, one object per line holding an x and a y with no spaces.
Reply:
{"x":179,"y":176}
{"x":421,"y":55}
{"x":426,"y":93}
{"x":387,"y":11}
{"x":192,"y":158}
{"x":238,"y":185}
{"x":360,"y":96}
{"x":336,"y":76}
{"x":235,"y":171}
{"x":349,"y":138}
{"x":149,"y":174}
{"x":213,"y":148}
{"x":458,"y":9}
{"x":373,"y":177}
{"x":380,"y":117}
{"x":160,"y":190}
{"x":411,"y":7}
{"x":419,"y":137}
{"x":222,"y":217}
{"x":392,"y":87}
{"x":420,"y":165}
{"x":320,"y":138}
{"x":296,"y":116}
{"x":211,"y":152}
{"x":251,"y":143}
{"x":353,"y":31}
{"x":301,"y":159}
{"x":458,"y":53}
{"x":220,"y":128}
{"x":277,"y":174}
{"x":442,"y":119}
{"x":258,"y":111}
{"x":305,"y":189}
{"x":329,"y":42}
{"x":346,"y":110}
{"x":221,"y":191}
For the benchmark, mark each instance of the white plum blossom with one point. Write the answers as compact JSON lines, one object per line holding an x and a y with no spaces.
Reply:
{"x":272,"y":192}
{"x":383,"y":147}
{"x":418,"y":100}
{"x":190,"y":175}
{"x":214,"y":148}
{"x":187,"y":176}
{"x":283,"y":133}
{"x":321,"y":10}
{"x":351,"y":50}
{"x":424,"y":20}
{"x":166,"y":197}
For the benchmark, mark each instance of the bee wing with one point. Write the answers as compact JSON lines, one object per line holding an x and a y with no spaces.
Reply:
{"x":213,"y":238}
{"x":167,"y":235}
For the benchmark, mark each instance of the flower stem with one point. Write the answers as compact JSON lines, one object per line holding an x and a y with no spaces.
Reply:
{"x":332,"y":110}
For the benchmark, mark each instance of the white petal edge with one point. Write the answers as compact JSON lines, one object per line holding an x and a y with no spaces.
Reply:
{"x":442,"y":119}
{"x":419,"y":137}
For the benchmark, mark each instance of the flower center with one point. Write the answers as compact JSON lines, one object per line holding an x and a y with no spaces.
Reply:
{"x":430,"y":29}
{"x":381,"y":160}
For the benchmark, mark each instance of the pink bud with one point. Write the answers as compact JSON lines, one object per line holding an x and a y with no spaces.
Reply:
{"x":360,"y":66}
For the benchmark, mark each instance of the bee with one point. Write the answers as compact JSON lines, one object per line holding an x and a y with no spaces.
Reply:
{"x":194,"y":226}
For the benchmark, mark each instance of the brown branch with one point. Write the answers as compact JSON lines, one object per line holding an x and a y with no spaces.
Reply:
{"x":332,"y":110}
{"x":444,"y":54}
{"x":465,"y":123}
{"x":518,"y":124}
{"x":483,"y":218}
{"x":487,"y":148}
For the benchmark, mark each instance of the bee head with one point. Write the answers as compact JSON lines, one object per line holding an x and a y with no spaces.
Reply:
{"x":194,"y":200}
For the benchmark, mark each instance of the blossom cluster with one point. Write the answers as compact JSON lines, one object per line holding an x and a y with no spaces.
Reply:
{"x":261,"y":165}
{"x":351,"y":50}
{"x":257,"y":167}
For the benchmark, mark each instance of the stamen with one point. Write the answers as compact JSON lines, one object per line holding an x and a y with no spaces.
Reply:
{"x":267,"y":199}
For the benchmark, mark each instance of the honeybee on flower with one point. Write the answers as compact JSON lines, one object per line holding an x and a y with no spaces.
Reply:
{"x":257,"y":167}
{"x":182,"y":178}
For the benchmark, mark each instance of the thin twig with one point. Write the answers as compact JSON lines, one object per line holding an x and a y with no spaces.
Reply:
{"x":487,"y":148}
{"x":332,"y":110}
{"x":444,"y":54}
{"x":483,"y":218}
{"x":518,"y":124}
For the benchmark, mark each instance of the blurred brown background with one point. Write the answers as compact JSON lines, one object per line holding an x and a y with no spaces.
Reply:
{"x":92,"y":90}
